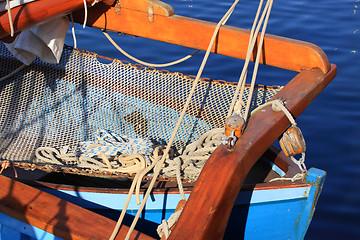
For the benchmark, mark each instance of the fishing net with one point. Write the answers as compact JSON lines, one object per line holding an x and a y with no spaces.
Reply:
{"x":81,"y":101}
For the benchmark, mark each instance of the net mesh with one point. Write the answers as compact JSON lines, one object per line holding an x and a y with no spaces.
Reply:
{"x":61,"y":105}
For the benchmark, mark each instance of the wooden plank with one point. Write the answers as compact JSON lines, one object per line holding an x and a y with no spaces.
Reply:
{"x":28,"y":15}
{"x":277,"y":51}
{"x":54,"y":215}
{"x":208,"y":209}
{"x":152,"y":7}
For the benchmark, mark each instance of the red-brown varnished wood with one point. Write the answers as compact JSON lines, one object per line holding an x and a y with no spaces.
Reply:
{"x":155,"y":7}
{"x":282,"y":161}
{"x":28,"y":15}
{"x":208,"y":208}
{"x":277,"y":51}
{"x":55,"y":215}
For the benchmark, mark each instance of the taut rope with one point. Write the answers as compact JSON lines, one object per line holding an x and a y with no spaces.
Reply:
{"x":146,"y":63}
{"x":161,"y":162}
{"x":235,"y":105}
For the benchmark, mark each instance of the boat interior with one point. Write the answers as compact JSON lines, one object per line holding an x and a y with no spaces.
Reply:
{"x":61,"y":125}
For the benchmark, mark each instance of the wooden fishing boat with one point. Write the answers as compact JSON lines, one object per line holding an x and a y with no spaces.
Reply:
{"x":249,"y":189}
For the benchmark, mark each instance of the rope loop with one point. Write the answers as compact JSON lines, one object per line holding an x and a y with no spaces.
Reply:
{"x":4,"y":165}
{"x":165,"y":227}
{"x":300,"y":162}
{"x":277,"y":105}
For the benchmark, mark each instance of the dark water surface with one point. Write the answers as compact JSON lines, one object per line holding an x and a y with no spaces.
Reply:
{"x":331,"y":124}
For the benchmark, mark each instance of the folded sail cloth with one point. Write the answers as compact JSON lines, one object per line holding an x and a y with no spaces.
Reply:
{"x":45,"y":41}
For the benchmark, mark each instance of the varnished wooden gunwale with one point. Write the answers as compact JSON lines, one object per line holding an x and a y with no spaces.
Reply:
{"x":54,"y":215}
{"x":249,"y":187}
{"x":278,"y":51}
{"x":31,"y":14}
{"x":216,"y":189}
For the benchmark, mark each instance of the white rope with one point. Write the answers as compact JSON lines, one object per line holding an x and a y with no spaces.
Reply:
{"x":165,"y":226}
{"x":123,"y":212}
{"x":178,"y":178}
{"x":136,"y":185}
{"x":134,"y":163}
{"x":146,"y":63}
{"x":298,"y":176}
{"x":63,"y":157}
{"x":195,"y":155}
{"x":85,"y":14}
{"x":267,"y":9}
{"x":10,"y":18}
{"x":94,"y":2}
{"x":85,"y":20}
{"x":157,"y":170}
{"x":211,"y":138}
{"x":135,"y":152}
{"x":278,"y":105}
{"x":73,"y":30}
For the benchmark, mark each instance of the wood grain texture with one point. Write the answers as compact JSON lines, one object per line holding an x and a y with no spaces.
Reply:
{"x":132,"y":17}
{"x":208,"y":208}
{"x":231,"y":41}
{"x":31,"y":14}
{"x":54,"y":215}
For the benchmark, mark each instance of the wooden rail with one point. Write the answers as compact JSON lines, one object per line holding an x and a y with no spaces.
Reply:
{"x":206,"y":214}
{"x":208,"y":209}
{"x":54,"y":215}
{"x":164,"y":26}
{"x":31,"y":14}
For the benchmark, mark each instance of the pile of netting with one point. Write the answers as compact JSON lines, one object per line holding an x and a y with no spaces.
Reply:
{"x":83,"y":116}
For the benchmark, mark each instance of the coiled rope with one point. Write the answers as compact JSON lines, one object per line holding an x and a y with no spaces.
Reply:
{"x":165,"y":226}
{"x":191,"y":161}
{"x":73,"y":30}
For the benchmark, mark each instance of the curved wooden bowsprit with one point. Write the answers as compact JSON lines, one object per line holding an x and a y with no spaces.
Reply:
{"x":207,"y":211}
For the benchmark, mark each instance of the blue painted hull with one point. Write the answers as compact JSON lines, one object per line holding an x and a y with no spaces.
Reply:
{"x":263,"y":213}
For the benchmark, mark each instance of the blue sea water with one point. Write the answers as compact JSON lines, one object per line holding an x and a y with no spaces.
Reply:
{"x":331,"y":124}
